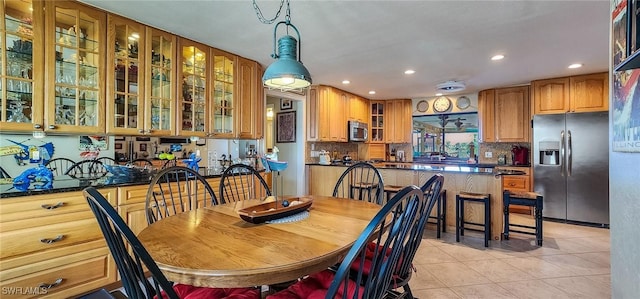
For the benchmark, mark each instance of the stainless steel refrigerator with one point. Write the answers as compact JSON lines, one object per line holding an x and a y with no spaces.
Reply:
{"x":571,"y":166}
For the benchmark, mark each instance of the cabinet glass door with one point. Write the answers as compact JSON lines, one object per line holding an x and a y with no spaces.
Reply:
{"x":18,"y":108}
{"x":125,"y":113}
{"x":161,"y":94}
{"x":77,"y":103}
{"x":377,"y":122}
{"x":223,"y":95}
{"x":194,"y":99}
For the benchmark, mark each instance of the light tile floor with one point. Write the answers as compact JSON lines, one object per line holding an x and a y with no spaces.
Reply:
{"x":572,"y":263}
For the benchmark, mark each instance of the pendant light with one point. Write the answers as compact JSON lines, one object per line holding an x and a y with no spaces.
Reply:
{"x":287,"y":72}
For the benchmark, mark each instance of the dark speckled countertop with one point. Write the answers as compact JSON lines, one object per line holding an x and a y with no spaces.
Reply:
{"x":442,"y":167}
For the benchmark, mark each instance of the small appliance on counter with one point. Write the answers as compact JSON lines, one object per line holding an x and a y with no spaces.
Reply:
{"x":520,"y":155}
{"x":324,"y":158}
{"x":346,"y":159}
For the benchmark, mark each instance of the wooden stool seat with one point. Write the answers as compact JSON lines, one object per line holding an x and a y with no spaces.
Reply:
{"x":461,"y":197}
{"x":530,"y":199}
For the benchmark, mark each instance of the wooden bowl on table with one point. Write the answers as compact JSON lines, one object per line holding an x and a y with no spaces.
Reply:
{"x":275,"y":210}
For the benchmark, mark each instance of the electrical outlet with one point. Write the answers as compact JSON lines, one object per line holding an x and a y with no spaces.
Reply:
{"x":488,"y":154}
{"x":315,"y":154}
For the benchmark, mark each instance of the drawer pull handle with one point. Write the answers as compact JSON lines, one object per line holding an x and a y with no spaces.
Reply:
{"x":50,"y":241}
{"x":52,"y":207}
{"x":47,"y":286}
{"x":512,"y":184}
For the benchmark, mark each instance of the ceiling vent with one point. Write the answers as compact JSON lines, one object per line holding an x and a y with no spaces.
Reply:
{"x":450,"y":86}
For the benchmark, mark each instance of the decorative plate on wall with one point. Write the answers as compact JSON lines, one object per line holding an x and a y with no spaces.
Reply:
{"x":422,"y":106}
{"x":463,"y":102}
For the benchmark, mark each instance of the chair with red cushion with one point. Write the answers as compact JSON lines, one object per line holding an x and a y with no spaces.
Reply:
{"x":392,"y":230}
{"x":130,"y":264}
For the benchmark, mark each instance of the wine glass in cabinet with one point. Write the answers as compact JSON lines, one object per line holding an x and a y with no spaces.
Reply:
{"x":224,"y":98}
{"x":193,"y":93}
{"x":74,"y":54}
{"x":159,"y":90}
{"x":125,"y":81}
{"x":22,"y":65}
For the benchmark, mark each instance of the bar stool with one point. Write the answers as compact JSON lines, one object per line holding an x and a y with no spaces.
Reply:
{"x":441,"y":207}
{"x":461,"y":197}
{"x":530,"y":199}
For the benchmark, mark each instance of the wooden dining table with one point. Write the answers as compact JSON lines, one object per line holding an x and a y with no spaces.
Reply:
{"x":214,"y":247}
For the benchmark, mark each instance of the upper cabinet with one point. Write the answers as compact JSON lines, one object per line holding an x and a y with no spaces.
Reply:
{"x":376,"y":127}
{"x":251,"y":100}
{"x":160,"y":83}
{"x":585,"y":93}
{"x":326,"y":114}
{"x":398,"y":123}
{"x":224,"y":94}
{"x":125,"y":79}
{"x":75,"y":63}
{"x":358,"y":108}
{"x":22,"y":65}
{"x":193,"y":91}
{"x":504,"y":114}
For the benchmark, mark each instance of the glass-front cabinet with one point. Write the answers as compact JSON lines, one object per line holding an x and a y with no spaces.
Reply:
{"x":75,"y":52}
{"x":125,"y":76}
{"x":159,"y":90}
{"x":223,"y":94}
{"x":22,"y":64}
{"x":377,"y":122}
{"x":193,"y":93}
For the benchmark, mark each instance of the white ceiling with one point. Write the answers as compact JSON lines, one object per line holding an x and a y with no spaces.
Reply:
{"x":371,"y":43}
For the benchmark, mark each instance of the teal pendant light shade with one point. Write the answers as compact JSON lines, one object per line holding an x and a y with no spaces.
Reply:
{"x":287,"y":72}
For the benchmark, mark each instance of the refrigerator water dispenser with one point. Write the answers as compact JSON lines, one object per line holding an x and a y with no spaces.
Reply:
{"x":549,"y":152}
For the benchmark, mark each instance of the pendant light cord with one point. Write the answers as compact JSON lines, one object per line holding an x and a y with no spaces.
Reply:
{"x":270,"y":21}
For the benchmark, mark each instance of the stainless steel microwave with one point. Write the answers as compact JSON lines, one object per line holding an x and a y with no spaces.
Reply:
{"x":358,"y":131}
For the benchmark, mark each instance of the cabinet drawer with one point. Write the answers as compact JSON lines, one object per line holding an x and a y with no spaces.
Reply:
{"x":520,"y":183}
{"x":35,"y":239}
{"x":77,"y":273}
{"x":33,"y":208}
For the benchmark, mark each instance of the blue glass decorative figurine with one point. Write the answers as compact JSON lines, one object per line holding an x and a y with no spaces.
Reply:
{"x":192,"y":162}
{"x":39,"y":174}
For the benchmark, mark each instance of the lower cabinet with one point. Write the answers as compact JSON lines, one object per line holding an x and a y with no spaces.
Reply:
{"x":51,"y":246}
{"x":323,"y":179}
{"x":517,"y":183}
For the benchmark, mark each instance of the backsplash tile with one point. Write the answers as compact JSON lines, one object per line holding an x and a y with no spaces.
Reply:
{"x":501,"y":148}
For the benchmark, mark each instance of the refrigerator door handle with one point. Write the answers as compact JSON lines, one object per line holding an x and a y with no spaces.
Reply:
{"x":570,"y":153}
{"x":562,"y":153}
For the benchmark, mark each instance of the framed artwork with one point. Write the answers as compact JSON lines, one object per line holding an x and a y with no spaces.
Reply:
{"x":286,"y":127}
{"x":93,"y":142}
{"x":285,"y":104}
{"x":117,"y":146}
{"x":143,"y":138}
{"x":118,"y":138}
{"x":626,"y":111}
{"x":143,"y":147}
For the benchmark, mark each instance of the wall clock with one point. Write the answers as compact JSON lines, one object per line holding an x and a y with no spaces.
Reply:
{"x":422,"y":106}
{"x":463,"y":102}
{"x":441,"y":104}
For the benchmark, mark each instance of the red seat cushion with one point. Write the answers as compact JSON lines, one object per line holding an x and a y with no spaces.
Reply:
{"x":371,"y":247}
{"x":315,"y":286}
{"x":190,"y":292}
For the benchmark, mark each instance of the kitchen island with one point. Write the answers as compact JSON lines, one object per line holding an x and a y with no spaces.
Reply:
{"x":457,"y":178}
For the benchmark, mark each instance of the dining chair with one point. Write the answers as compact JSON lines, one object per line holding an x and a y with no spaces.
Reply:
{"x":132,"y":258}
{"x":87,"y":169}
{"x":59,"y":166}
{"x":392,"y":230}
{"x":361,"y":181}
{"x":141,"y":163}
{"x":242,"y":182}
{"x":175,"y":190}
{"x":107,"y":161}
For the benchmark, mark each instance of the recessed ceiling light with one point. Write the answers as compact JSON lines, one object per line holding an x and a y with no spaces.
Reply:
{"x":409,"y":72}
{"x":575,"y":65}
{"x":438,"y":94}
{"x":497,"y":57}
{"x":372,"y":92}
{"x":346,"y":81}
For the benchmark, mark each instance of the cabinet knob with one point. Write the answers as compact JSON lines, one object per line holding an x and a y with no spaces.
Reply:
{"x":47,"y":286}
{"x":52,"y":127}
{"x":52,"y":207}
{"x":51,"y":241}
{"x":37,"y":126}
{"x":141,"y":131}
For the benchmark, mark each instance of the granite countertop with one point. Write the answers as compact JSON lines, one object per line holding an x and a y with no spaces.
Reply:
{"x":68,"y":184}
{"x":492,"y":169}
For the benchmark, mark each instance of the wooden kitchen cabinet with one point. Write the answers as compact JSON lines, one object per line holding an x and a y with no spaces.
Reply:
{"x":251,"y":100}
{"x":126,"y":81}
{"x":358,"y":108}
{"x":377,"y":125}
{"x":322,"y":179}
{"x":399,"y":123}
{"x":517,"y":183}
{"x":193,"y":89}
{"x":63,"y":248}
{"x":584,"y":93}
{"x":326,"y":114}
{"x":504,"y":114}
{"x":225,"y":96}
{"x":22,"y":66}
{"x":160,"y":83}
{"x":75,"y":68}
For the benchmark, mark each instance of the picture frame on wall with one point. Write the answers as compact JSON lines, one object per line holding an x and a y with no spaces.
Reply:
{"x":286,"y":104}
{"x":286,"y":127}
{"x":143,"y":147}
{"x":118,"y":146}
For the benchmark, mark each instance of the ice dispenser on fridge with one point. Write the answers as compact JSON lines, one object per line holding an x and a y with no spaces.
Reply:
{"x":549,"y":152}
